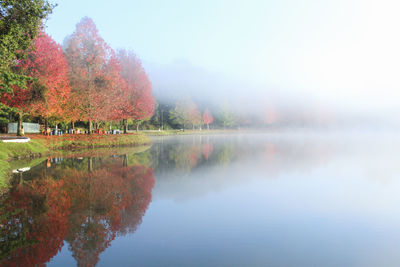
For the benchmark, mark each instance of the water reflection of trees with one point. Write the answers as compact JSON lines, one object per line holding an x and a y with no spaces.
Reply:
{"x":93,"y":201}
{"x":197,"y":153}
{"x":106,"y":202}
{"x":34,"y":222}
{"x":182,"y":157}
{"x":197,"y":165}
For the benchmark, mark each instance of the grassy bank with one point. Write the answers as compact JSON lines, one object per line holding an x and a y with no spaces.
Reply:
{"x":43,"y":145}
{"x":78,"y":141}
{"x":4,"y":171}
{"x":21,"y":150}
{"x":17,"y":150}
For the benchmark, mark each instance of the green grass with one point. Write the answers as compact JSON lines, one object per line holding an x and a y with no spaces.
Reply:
{"x":40,"y":145}
{"x":16,"y":150}
{"x":19,"y":150}
{"x":102,"y":151}
{"x":17,"y":164}
{"x":91,"y":141}
{"x":4,"y":173}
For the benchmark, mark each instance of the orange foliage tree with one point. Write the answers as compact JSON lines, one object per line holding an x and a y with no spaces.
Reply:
{"x":93,"y":74}
{"x":48,"y":90}
{"x":139,"y":101}
{"x":207,"y":118}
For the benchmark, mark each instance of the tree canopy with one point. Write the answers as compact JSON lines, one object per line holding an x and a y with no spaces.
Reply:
{"x":20,"y":21}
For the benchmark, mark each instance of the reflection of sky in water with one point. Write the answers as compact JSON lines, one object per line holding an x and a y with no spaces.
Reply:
{"x":298,"y":201}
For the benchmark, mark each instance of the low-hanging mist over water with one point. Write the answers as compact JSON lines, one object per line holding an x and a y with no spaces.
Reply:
{"x":266,"y":105}
{"x":316,"y":62}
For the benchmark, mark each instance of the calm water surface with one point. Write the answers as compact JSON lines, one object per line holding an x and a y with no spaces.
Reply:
{"x":225,"y":200}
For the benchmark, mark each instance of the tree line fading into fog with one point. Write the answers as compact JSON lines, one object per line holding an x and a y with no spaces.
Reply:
{"x":86,"y":82}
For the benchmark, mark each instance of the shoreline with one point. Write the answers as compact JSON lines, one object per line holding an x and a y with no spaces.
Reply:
{"x":42,"y":146}
{"x":187,"y":132}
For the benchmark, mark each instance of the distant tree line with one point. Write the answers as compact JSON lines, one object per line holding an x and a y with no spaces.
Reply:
{"x":186,"y":114}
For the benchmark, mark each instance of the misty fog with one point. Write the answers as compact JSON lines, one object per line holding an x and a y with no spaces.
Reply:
{"x":314,"y":62}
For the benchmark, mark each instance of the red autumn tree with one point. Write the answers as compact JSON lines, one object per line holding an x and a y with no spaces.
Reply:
{"x":47,"y":93}
{"x":90,"y":60}
{"x":207,"y":118}
{"x":19,"y":100}
{"x":139,"y":101}
{"x":48,"y":64}
{"x":194,"y":115}
{"x":117,"y":88}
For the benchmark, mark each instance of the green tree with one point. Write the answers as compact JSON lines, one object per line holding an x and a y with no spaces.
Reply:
{"x":20,"y":21}
{"x":184,"y":113}
{"x":226,"y":117}
{"x":179,"y":115}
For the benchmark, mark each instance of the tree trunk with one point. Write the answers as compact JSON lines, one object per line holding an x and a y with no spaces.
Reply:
{"x":125,"y":123}
{"x":125,"y":162}
{"x":90,"y":127}
{"x":208,"y":126}
{"x":73,"y":125}
{"x":46,"y":126}
{"x":137,"y":127}
{"x":162,"y":120}
{"x":20,"y":131}
{"x":90,"y":164}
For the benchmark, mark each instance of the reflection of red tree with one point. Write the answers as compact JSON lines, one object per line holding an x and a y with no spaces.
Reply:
{"x":34,"y":223}
{"x":106,"y":201}
{"x":142,"y":179}
{"x":207,"y":150}
{"x":270,"y":152}
{"x":194,"y":156}
{"x":36,"y":218}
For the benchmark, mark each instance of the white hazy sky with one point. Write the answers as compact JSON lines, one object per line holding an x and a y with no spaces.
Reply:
{"x":345,"y":51}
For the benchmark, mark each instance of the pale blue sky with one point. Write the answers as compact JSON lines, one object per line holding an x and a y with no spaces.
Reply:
{"x":346,"y":51}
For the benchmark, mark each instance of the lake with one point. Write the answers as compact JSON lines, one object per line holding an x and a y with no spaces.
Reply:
{"x":251,"y":199}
